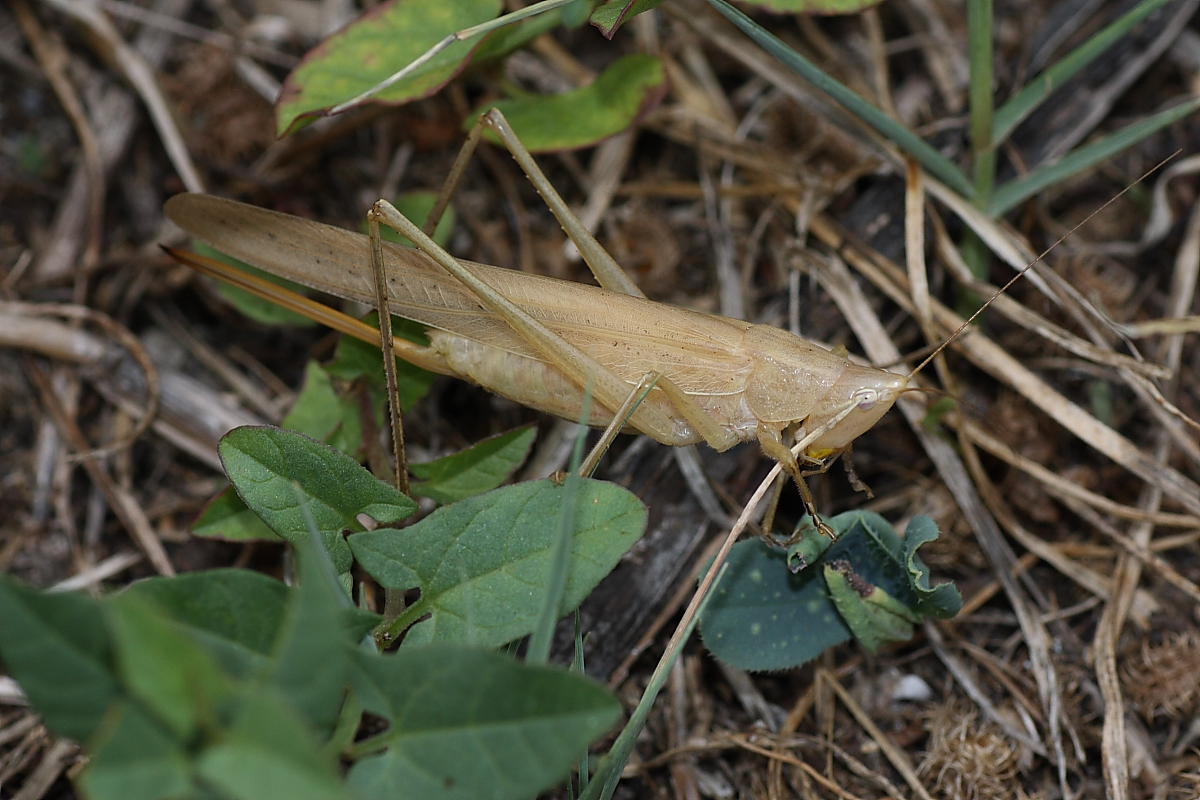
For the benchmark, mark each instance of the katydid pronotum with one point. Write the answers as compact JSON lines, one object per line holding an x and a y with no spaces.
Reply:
{"x":545,"y":343}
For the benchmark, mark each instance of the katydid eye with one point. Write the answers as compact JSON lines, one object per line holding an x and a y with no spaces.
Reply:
{"x":865,"y":398}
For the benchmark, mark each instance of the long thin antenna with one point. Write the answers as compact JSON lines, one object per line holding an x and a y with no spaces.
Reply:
{"x":1021,"y":272}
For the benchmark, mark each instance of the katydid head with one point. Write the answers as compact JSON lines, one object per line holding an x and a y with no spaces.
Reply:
{"x":854,"y":404}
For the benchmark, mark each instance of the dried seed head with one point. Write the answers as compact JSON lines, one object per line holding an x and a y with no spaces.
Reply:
{"x":968,"y":758}
{"x":1162,"y":678}
{"x":1185,"y":785}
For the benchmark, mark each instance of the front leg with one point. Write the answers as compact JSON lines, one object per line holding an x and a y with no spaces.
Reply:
{"x":771,"y":440}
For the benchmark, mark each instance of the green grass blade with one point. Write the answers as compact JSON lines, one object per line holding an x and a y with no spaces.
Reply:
{"x":1010,"y":115}
{"x":982,"y":105}
{"x":604,"y":782}
{"x":560,"y":565}
{"x":979,"y":37}
{"x":1016,"y":191}
{"x":937,"y":164}
{"x":579,"y":668}
{"x":560,"y":557}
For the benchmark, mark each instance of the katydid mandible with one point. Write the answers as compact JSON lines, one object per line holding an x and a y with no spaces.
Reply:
{"x":544,"y":342}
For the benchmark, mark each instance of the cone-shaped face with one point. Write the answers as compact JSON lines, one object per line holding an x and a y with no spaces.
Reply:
{"x":871,"y":393}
